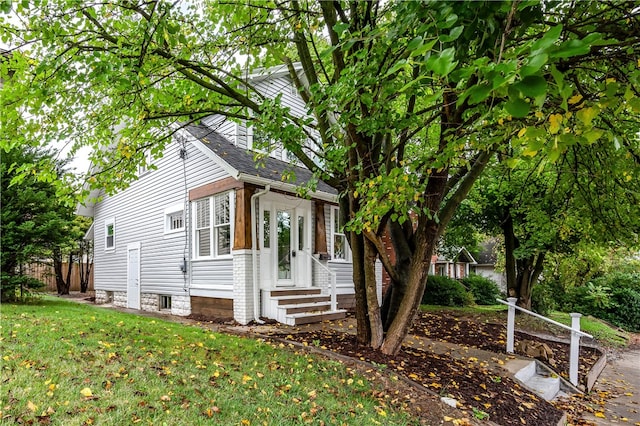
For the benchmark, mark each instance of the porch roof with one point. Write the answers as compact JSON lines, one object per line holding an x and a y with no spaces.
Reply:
{"x":242,"y":160}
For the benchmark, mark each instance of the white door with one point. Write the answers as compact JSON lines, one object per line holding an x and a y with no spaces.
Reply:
{"x":286,"y":249}
{"x":285,"y":242}
{"x":133,"y":275}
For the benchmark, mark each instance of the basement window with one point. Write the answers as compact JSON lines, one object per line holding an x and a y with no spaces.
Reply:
{"x":165,"y":302}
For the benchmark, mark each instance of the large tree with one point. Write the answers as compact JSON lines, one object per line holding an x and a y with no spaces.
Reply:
{"x":409,"y":100}
{"x":589,"y":196}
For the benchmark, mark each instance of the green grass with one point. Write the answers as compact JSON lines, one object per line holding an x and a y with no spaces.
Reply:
{"x":74,"y":364}
{"x":604,"y":333}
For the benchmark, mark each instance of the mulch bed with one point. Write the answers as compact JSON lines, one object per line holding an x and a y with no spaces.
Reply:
{"x":476,"y":388}
{"x":493,"y":337}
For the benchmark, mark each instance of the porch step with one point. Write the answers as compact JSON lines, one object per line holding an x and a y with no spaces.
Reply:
{"x":301,"y":299}
{"x":306,"y":307}
{"x":311,"y":317}
{"x":295,"y":292}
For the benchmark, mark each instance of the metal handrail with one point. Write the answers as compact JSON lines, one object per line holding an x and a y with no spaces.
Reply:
{"x":549,"y":320}
{"x":332,"y":274}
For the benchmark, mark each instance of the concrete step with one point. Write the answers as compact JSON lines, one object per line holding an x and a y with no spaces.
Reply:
{"x":295,"y":291}
{"x":525,"y":370}
{"x":545,"y":386}
{"x":300,"y":299}
{"x":305,"y":307}
{"x":543,"y":383}
{"x":311,"y":317}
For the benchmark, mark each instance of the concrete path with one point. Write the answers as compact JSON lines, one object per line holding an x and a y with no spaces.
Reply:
{"x":620,"y":378}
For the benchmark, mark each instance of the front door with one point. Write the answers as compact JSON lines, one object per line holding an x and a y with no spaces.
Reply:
{"x":286,"y":253}
{"x":133,"y":275}
{"x":285,"y":242}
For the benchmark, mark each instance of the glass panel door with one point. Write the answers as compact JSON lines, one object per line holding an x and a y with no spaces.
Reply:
{"x":284,"y":234}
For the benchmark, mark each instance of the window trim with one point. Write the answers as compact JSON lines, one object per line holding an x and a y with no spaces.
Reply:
{"x":212,"y":227}
{"x":167,"y":219}
{"x":109,"y":222}
{"x":335,"y":212}
{"x":146,"y":168}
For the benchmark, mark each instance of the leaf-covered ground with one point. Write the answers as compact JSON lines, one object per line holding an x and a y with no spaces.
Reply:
{"x":480,"y":390}
{"x":64,"y":363}
{"x":492,"y":337}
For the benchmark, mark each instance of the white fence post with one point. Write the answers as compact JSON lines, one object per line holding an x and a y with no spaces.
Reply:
{"x":511,"y":322}
{"x":575,"y":348}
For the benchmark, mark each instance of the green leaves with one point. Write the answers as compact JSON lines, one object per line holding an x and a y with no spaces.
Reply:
{"x":443,"y":63}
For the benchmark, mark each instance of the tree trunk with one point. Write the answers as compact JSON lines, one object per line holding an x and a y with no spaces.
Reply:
{"x":373,"y":306}
{"x":362,"y":317}
{"x":85,"y":263}
{"x":510,"y":244}
{"x":416,"y":283}
{"x":61,"y":285}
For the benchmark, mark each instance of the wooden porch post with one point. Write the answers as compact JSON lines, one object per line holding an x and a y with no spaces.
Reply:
{"x":242,"y":232}
{"x":320,"y":245}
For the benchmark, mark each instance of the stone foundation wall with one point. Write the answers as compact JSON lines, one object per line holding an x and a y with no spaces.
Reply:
{"x":150,"y":302}
{"x":181,"y":305}
{"x":103,"y":296}
{"x":120,"y":299}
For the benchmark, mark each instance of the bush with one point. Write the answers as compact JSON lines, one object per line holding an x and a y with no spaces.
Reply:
{"x":619,"y":280}
{"x":484,"y":290}
{"x":624,"y":310}
{"x":444,"y":291}
{"x":612,"y":297}
{"x":16,"y":286}
{"x":542,"y":300}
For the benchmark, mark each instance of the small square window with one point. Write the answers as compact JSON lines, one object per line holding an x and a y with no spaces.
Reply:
{"x":174,"y":219}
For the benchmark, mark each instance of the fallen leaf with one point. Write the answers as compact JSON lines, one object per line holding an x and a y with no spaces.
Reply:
{"x":599,"y":414}
{"x":86,"y":392}
{"x":31,"y":406}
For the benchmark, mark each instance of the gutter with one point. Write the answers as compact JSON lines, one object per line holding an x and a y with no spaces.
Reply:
{"x":254,"y":254}
{"x":320,"y":195}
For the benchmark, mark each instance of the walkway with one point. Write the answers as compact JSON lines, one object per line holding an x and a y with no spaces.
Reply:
{"x":620,"y":378}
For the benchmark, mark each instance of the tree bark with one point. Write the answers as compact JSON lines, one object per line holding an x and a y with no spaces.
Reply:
{"x":373,"y":307}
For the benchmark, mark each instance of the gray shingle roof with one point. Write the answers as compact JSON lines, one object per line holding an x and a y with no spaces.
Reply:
{"x":242,"y":160}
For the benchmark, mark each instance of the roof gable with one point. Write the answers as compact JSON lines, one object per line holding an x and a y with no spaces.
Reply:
{"x":240,"y":162}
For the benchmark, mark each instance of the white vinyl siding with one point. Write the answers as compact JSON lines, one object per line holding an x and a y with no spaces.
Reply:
{"x":212,"y":217}
{"x":140,"y":217}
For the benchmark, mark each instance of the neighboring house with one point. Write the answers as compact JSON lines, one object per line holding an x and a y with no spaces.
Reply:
{"x":486,"y":264}
{"x":182,"y":238}
{"x":457,"y":267}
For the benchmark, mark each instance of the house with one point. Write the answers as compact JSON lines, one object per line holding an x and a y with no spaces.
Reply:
{"x":486,"y":264}
{"x":207,"y":232}
{"x":457,"y":266}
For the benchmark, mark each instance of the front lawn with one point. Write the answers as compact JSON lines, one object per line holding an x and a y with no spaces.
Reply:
{"x":74,"y":364}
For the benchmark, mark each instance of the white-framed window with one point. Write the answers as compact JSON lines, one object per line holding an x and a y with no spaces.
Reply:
{"x":339,"y":247}
{"x":110,"y":233}
{"x":213,"y":225}
{"x":174,"y":219}
{"x":145,"y":168}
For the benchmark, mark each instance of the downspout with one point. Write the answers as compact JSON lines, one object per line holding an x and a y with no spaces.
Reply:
{"x":254,"y":255}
